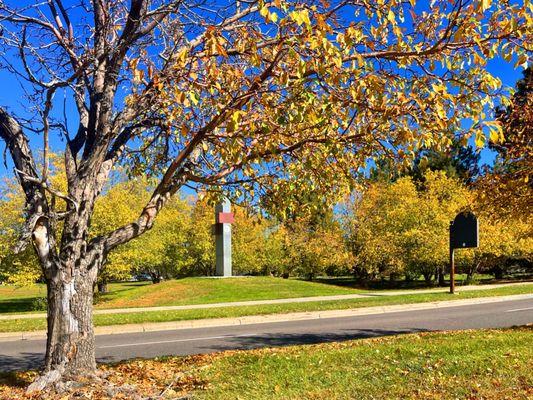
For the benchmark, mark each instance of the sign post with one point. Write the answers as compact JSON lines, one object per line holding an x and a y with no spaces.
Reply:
{"x":464,"y":233}
{"x":452,"y":262}
{"x":223,"y":220}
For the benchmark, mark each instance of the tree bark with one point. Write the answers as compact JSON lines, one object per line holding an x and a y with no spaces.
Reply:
{"x":70,"y":340}
{"x":441,"y":276}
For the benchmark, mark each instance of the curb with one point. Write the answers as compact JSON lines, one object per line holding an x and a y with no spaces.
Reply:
{"x":270,"y":318}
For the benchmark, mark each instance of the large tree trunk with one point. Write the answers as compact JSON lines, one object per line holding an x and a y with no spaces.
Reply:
{"x":70,"y":341}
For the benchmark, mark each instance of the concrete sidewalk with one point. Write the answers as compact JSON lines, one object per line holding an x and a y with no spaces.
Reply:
{"x":269,"y":318}
{"x":276,"y":301}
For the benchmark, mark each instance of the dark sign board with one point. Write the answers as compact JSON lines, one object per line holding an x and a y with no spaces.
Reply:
{"x":464,"y":231}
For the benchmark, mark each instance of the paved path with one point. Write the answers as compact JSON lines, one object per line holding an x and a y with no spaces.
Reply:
{"x":276,"y":301}
{"x":23,"y":354}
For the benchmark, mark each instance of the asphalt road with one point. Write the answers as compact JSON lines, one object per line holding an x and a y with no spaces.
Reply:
{"x":23,"y":354}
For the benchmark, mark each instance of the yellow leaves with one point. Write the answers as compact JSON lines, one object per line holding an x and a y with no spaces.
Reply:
{"x":495,"y":131}
{"x":391,"y":17}
{"x":479,"y":140}
{"x":301,"y":17}
{"x":523,"y":60}
{"x":479,"y":59}
{"x":440,"y":111}
{"x":194,"y":97}
{"x":234,"y":120}
{"x":138,"y":74}
{"x":267,"y":15}
{"x":485,"y":4}
{"x":338,"y":61}
{"x":181,"y":57}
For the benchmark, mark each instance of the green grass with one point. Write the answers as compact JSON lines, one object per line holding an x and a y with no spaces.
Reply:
{"x":180,"y":315}
{"x":18,"y":299}
{"x":485,"y":364}
{"x":186,"y":291}
{"x":204,"y":291}
{"x":179,"y":292}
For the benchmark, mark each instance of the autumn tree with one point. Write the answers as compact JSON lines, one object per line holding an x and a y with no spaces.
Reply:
{"x":201,"y":246}
{"x":399,"y":228}
{"x":240,"y":97}
{"x":167,"y":240}
{"x":508,"y":185}
{"x":503,"y":244}
{"x":22,"y":268}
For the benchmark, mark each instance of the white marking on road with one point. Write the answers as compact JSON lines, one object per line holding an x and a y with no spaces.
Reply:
{"x":520,"y":309}
{"x":175,"y":341}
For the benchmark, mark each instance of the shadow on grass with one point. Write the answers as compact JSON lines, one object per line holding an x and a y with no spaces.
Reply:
{"x":375,"y":285}
{"x":17,"y":305}
{"x":402,"y":284}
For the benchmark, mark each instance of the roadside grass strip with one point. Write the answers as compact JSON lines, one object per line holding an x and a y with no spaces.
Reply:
{"x":36,"y":324}
{"x":476,"y":364}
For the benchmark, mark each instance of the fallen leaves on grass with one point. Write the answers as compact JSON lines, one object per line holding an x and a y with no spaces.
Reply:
{"x":160,"y":378}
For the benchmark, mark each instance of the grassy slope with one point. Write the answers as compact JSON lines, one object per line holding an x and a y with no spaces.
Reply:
{"x":15,"y":299}
{"x":491,"y":364}
{"x":164,"y":316}
{"x":205,"y":291}
{"x":179,"y":292}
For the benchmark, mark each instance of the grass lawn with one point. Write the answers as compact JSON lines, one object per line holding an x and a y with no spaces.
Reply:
{"x":205,"y":291}
{"x":186,"y":291}
{"x":238,"y":311}
{"x":492,"y":364}
{"x":483,"y":364}
{"x":180,"y":292}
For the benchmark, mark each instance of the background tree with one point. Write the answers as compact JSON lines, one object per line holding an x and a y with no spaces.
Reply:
{"x":167,"y":242}
{"x":459,"y":161}
{"x":506,"y":247}
{"x":201,"y":246}
{"x":314,"y":250}
{"x":508,"y":184}
{"x":399,"y":228}
{"x":249,"y":237}
{"x":167,"y":257}
{"x":241,"y":95}
{"x":18,"y":269}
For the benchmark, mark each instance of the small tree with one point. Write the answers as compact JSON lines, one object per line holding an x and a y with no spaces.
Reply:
{"x":237,"y":95}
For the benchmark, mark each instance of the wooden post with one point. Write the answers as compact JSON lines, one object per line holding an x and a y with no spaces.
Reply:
{"x":452,"y":262}
{"x":452,"y":271}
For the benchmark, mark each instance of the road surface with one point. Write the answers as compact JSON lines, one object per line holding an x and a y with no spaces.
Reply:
{"x":23,"y":354}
